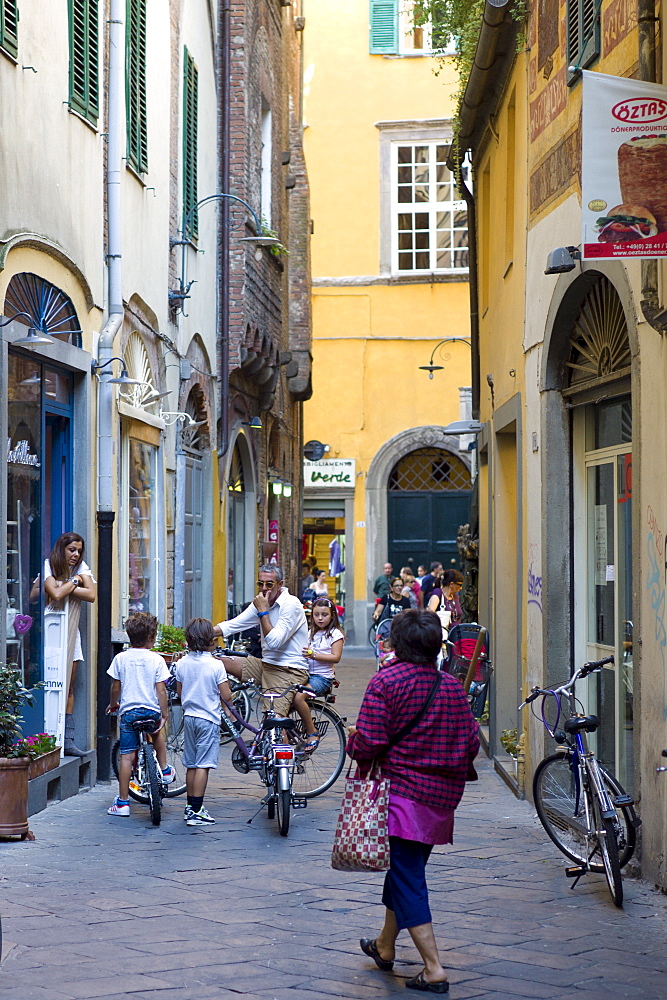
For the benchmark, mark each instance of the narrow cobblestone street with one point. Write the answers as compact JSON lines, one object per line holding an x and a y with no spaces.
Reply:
{"x":100,"y":907}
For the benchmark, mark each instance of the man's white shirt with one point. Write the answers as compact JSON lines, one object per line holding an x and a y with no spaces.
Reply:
{"x":284,"y":644}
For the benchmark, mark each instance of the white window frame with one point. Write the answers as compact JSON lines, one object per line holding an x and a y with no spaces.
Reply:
{"x":157,"y":595}
{"x":406,"y":37}
{"x":432,"y":208}
{"x":266,"y":177}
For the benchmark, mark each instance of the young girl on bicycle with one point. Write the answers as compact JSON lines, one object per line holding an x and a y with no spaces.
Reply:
{"x":322,"y":654}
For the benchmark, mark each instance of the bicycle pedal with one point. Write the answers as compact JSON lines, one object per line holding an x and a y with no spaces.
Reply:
{"x":623,"y":800}
{"x":135,"y":786}
{"x":575,"y":871}
{"x":299,"y":802}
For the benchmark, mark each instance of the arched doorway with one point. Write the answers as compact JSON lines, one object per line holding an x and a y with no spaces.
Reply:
{"x":241,"y":528}
{"x":598,"y":386}
{"x":428,"y":498}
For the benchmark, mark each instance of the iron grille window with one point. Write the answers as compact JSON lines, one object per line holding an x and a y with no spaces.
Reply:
{"x":429,"y":469}
{"x":190,"y":92}
{"x":583,"y":35}
{"x":9,"y":26}
{"x":137,"y":126}
{"x":84,"y":58}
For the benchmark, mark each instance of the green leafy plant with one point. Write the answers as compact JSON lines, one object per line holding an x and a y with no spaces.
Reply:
{"x":170,"y":639}
{"x":461,"y":20}
{"x":35,"y":746}
{"x":279,"y":250}
{"x":509,"y":740}
{"x":13,"y":697}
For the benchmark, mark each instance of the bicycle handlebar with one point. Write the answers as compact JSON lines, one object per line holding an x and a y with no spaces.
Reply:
{"x":223,"y":651}
{"x":588,"y":668}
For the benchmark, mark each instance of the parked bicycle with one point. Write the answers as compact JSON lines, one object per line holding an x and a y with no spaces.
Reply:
{"x":291,"y":773}
{"x":582,"y":807}
{"x":147,"y":784}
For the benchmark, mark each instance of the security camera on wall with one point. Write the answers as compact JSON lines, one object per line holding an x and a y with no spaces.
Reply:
{"x":561,"y":260}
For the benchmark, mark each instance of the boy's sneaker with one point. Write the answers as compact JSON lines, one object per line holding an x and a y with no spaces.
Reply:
{"x":119,"y":808}
{"x":169,"y":775}
{"x":188,"y":812}
{"x":201,"y":818}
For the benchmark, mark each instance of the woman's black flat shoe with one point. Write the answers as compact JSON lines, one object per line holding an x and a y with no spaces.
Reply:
{"x":419,"y":983}
{"x":370,"y":948}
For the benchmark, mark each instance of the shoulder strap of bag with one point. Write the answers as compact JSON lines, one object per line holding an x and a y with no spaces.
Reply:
{"x":402,"y":733}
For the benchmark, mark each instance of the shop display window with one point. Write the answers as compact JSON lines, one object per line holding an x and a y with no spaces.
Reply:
{"x":142,"y":526}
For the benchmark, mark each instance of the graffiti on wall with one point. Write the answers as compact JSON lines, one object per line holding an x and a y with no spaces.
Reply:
{"x":534,"y":579}
{"x":655,"y":586}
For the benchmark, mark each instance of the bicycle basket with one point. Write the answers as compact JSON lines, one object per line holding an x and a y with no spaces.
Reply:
{"x":458,"y":666}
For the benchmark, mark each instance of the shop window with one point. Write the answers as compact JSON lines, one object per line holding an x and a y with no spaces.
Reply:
{"x":37,"y":303}
{"x":142,"y":526}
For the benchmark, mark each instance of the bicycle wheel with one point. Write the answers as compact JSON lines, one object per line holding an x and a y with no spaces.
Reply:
{"x":136,"y":780}
{"x":554,"y":797}
{"x":283,"y":806}
{"x":154,"y":783}
{"x":316,"y":770}
{"x":371,"y":634}
{"x":609,"y":852}
{"x":174,"y":738}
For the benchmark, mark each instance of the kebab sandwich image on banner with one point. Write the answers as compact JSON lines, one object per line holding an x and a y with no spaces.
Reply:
{"x":623,"y":168}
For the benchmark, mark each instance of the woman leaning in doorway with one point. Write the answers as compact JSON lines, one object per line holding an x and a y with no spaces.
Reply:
{"x":67,"y":578}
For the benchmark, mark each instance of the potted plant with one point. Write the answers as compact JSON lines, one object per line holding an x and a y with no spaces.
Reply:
{"x":13,"y":766}
{"x":509,"y":740}
{"x":41,"y":751}
{"x":170,"y":641}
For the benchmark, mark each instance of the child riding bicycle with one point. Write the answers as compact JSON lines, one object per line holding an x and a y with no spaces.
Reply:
{"x":138,"y":692}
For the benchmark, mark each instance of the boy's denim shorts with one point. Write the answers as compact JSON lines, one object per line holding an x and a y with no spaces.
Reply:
{"x":129,"y":739}
{"x":320,"y":684}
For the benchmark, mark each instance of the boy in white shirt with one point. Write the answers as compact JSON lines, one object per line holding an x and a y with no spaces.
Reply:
{"x":138,"y":683}
{"x":201,"y":683}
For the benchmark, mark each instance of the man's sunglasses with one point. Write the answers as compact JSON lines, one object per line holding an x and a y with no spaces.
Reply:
{"x":266,"y":583}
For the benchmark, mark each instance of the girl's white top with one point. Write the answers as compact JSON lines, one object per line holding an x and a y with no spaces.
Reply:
{"x":320,"y":642}
{"x":80,"y":570}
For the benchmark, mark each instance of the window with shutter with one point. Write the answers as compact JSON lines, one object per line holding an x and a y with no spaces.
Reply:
{"x":84,"y":58}
{"x":135,"y":85}
{"x":583,"y":36}
{"x":190,"y":89}
{"x":9,"y":22}
{"x":383,"y":26}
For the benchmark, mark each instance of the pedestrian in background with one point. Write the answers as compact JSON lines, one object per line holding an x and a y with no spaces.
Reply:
{"x":446,"y":596}
{"x":394,"y":602}
{"x":411,"y":588}
{"x":429,"y":582}
{"x":320,"y":584}
{"x":383,"y":582}
{"x":427,"y":770}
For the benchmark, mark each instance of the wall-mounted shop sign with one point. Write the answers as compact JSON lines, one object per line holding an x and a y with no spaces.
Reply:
{"x":624,"y":168}
{"x":329,"y":472}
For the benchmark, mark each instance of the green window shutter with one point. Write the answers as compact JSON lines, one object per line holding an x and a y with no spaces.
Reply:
{"x":135,"y":85}
{"x":84,"y":58}
{"x":582,"y":18}
{"x":190,"y":94}
{"x":383,"y":26}
{"x":9,"y":26}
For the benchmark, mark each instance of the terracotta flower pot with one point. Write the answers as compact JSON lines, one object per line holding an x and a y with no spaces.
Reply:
{"x":14,"y":796}
{"x":45,"y":762}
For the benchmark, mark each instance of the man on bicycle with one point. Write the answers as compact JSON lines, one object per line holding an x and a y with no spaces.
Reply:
{"x":284,"y":635}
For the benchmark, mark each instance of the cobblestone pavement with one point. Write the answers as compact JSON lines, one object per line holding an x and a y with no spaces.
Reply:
{"x":110,"y":908}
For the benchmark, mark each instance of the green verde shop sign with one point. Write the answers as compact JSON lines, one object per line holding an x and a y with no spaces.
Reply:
{"x":329,"y":472}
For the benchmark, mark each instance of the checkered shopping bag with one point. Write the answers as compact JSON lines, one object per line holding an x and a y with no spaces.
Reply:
{"x":361,"y":841}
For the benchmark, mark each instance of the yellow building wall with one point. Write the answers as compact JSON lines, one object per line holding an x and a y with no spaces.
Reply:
{"x":370,"y":336}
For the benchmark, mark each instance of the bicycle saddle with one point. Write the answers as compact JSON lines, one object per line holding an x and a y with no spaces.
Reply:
{"x":279,"y":724}
{"x":578,"y":722}
{"x":144,"y":725}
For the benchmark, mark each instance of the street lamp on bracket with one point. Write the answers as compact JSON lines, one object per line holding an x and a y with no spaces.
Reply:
{"x":431,"y":367}
{"x":178,"y":296}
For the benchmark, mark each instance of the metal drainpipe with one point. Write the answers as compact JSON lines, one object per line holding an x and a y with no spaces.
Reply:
{"x":222,"y":291}
{"x":473,"y":290}
{"x":654,"y":312}
{"x":105,"y":394}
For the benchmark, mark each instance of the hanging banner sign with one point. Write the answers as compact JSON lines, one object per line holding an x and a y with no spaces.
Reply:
{"x":623,"y":168}
{"x":329,"y":472}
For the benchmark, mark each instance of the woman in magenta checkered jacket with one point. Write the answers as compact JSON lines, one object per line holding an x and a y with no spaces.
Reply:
{"x":427,"y":771}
